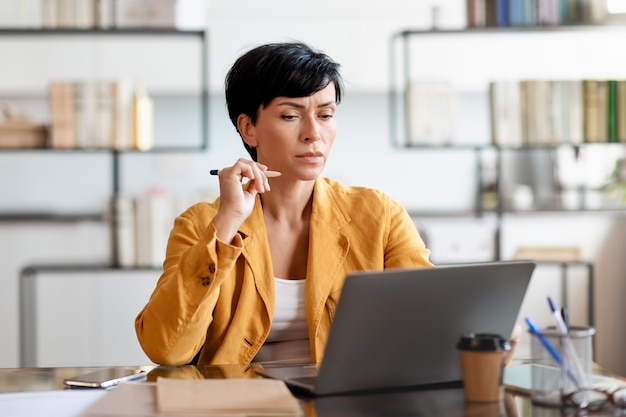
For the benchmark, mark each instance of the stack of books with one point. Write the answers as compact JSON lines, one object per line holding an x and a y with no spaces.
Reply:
{"x":431,"y":108}
{"x":554,"y":112}
{"x":143,"y":225}
{"x":98,"y":115}
{"x":501,"y":13}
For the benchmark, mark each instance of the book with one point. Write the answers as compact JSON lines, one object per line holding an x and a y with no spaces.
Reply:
{"x":574,"y":130}
{"x":537,"y":121}
{"x":620,"y":110}
{"x":63,"y":119}
{"x":49,"y":14}
{"x":84,"y":14}
{"x":142,"y":224}
{"x":161,"y":222}
{"x":506,"y":113}
{"x":595,"y":110}
{"x":594,"y":11}
{"x":104,"y":117}
{"x":104,"y":14}
{"x":145,"y":13}
{"x":548,"y":12}
{"x":502,"y":13}
{"x":85,"y":113}
{"x":611,"y":94}
{"x":574,"y":11}
{"x":92,"y":114}
{"x":66,"y":14}
{"x":516,"y":13}
{"x":122,"y":114}
{"x":566,"y":112}
{"x":154,"y":218}
{"x":125,"y":231}
{"x":476,"y":13}
{"x":143,"y":232}
{"x":491,"y":13}
{"x":236,"y":396}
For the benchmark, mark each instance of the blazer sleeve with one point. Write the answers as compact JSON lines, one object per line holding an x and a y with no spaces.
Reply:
{"x":172,"y":327}
{"x":405,"y":247}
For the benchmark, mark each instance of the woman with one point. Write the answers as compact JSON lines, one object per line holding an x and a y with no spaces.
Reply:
{"x":256,"y":275}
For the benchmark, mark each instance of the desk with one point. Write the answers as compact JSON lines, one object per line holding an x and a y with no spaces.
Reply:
{"x":447,"y":402}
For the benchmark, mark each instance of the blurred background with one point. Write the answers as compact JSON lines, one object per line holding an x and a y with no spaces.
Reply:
{"x":84,"y":215}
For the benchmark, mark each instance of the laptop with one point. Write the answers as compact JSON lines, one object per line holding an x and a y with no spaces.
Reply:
{"x":398,"y":328}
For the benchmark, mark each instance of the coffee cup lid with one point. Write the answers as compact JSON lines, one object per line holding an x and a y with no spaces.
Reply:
{"x":484,"y":342}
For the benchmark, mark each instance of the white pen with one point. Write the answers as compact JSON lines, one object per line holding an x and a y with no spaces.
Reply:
{"x":560,"y":323}
{"x":268,"y":174}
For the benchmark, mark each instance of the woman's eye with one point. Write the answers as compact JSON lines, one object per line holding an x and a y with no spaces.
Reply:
{"x":289,"y":116}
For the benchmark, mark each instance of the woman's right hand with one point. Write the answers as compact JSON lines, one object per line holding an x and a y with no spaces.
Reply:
{"x":236,"y":203}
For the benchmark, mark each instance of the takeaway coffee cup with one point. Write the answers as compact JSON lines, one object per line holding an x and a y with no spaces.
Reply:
{"x":482,"y":362}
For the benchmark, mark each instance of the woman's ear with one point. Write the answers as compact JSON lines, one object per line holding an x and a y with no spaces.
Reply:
{"x":247,"y":130}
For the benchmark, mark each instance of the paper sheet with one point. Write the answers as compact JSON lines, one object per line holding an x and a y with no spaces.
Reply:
{"x":126,"y":400}
{"x":58,"y":403}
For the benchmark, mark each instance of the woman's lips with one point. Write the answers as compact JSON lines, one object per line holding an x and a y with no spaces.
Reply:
{"x":311,"y":157}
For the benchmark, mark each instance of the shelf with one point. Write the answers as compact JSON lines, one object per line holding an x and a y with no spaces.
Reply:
{"x":511,"y":29}
{"x":559,"y":212}
{"x":416,"y":58}
{"x":451,"y":147}
{"x":115,"y":31}
{"x":450,"y":213}
{"x":32,"y":269}
{"x":162,"y":149}
{"x":164,"y":90}
{"x":480,"y":146}
{"x":50,"y":217}
{"x":534,"y":212}
{"x":110,"y":54}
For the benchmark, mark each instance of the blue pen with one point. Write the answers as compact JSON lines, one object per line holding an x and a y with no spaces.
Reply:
{"x":553,"y":352}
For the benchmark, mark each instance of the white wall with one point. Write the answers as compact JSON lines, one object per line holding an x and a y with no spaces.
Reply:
{"x":356,"y":34}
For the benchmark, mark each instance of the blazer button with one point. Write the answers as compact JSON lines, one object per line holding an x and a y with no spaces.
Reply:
{"x":205,"y":281}
{"x":212,"y":268}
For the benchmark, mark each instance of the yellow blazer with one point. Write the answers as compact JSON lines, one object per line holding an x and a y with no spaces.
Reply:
{"x":219,"y":298}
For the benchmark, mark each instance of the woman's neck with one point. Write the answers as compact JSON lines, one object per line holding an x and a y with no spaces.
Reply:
{"x":288,"y":203}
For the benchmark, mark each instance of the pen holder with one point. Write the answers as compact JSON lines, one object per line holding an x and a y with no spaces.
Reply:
{"x":562,"y":363}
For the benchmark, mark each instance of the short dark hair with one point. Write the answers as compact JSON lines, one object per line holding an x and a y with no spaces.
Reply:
{"x":273,"y":70}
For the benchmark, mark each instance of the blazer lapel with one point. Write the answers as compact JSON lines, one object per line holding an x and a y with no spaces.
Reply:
{"x":328,"y":247}
{"x":256,"y":252}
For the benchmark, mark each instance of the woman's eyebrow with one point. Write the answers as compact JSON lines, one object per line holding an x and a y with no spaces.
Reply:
{"x":301,"y":106}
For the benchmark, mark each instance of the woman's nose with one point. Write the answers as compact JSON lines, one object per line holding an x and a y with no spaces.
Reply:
{"x":312,"y":132}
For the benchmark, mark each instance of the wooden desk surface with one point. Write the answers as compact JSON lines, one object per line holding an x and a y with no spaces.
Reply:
{"x":447,"y":402}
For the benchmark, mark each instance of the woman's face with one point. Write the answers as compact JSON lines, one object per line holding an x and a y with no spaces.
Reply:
{"x":295,"y":135}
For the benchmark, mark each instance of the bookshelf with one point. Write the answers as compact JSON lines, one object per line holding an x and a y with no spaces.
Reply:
{"x":415,"y":55}
{"x":141,"y":57}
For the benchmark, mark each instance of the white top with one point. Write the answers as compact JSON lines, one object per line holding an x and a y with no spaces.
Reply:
{"x":288,"y":340}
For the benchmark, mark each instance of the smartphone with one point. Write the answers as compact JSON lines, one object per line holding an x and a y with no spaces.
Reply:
{"x":105,"y":378}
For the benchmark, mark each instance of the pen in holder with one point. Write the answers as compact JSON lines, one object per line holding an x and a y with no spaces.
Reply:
{"x":562,"y":363}
{"x":569,"y":352}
